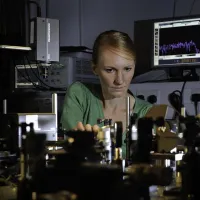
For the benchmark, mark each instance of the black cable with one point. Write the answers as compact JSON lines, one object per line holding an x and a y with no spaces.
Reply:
{"x":28,"y":21}
{"x":37,"y":76}
{"x":192,"y":6}
{"x":174,"y":8}
{"x":38,"y":86}
{"x":195,"y":98}
{"x":22,"y":21}
{"x":196,"y":108}
{"x":22,"y":75}
{"x":176,"y":99}
{"x":3,"y":18}
{"x":47,"y":8}
{"x":39,"y":12}
{"x":27,"y":79}
{"x":49,"y":87}
{"x":35,"y":85}
{"x":182,"y":90}
{"x":27,"y":74}
{"x":156,"y":81}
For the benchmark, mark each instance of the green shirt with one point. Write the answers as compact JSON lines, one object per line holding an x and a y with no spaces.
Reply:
{"x":82,"y":104}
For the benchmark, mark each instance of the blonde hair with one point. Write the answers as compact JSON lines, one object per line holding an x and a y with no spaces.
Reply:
{"x":115,"y":41}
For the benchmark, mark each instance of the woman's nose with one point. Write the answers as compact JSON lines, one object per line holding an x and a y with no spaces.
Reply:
{"x":119,"y":78}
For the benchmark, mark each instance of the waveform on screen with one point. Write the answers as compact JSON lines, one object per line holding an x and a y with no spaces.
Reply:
{"x":187,"y":47}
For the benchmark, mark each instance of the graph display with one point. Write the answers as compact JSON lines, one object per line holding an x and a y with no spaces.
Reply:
{"x":177,"y":42}
{"x":179,"y":48}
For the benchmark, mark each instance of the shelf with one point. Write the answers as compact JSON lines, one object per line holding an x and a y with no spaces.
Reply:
{"x":20,"y":48}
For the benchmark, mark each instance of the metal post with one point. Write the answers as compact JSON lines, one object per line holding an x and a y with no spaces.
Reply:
{"x":4,"y":106}
{"x":128,"y":129}
{"x":55,"y":109}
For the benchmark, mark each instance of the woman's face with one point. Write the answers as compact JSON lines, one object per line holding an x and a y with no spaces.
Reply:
{"x":115,"y":71}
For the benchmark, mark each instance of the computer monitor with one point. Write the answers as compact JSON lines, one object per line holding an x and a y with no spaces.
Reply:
{"x":14,"y":25}
{"x":176,"y":43}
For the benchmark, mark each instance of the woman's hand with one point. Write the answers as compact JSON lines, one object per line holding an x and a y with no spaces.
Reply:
{"x":87,"y":127}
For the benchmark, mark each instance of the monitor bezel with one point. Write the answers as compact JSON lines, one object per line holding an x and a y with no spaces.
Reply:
{"x":182,"y":66}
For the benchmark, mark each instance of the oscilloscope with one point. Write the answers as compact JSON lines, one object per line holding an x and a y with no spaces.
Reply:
{"x":176,"y":42}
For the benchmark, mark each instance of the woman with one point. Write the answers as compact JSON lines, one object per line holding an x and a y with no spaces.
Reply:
{"x":113,"y":61}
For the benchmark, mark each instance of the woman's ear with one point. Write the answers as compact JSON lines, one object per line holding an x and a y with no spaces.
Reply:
{"x":94,"y":69}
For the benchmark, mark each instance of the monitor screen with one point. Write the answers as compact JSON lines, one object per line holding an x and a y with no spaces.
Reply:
{"x":177,"y":43}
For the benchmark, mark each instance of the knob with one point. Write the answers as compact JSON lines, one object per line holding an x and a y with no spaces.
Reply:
{"x":141,"y":97}
{"x":152,"y":99}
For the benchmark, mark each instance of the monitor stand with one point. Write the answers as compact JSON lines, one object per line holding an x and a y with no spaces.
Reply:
{"x":177,"y":74}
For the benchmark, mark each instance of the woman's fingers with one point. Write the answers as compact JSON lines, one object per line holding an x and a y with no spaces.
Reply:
{"x":95,"y":128}
{"x":75,"y":128}
{"x":80,"y":126}
{"x":87,"y":127}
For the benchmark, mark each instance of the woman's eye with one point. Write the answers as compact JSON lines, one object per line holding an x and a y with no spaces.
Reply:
{"x":128,"y":69}
{"x":109,"y":70}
